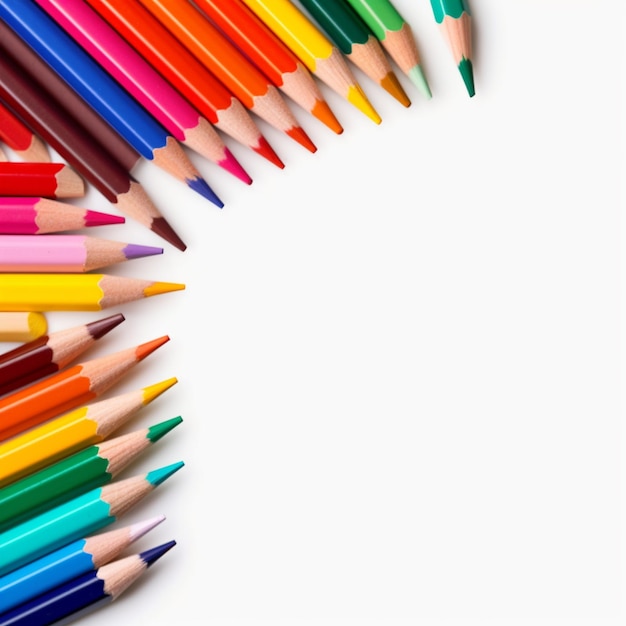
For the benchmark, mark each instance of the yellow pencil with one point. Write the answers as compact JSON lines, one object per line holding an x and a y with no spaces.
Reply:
{"x":74,"y":292}
{"x":314,"y":49}
{"x":64,"y":435}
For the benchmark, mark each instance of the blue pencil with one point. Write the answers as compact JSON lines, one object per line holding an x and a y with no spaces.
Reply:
{"x":63,"y":564}
{"x":99,"y":89}
{"x":84,"y":594}
{"x":71,"y":520}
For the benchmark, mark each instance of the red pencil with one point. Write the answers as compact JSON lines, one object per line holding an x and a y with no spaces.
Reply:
{"x":20,"y":138}
{"x":52,"y":180}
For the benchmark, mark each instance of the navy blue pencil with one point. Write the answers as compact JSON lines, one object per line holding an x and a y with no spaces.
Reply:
{"x":102,"y":92}
{"x":84,"y":594}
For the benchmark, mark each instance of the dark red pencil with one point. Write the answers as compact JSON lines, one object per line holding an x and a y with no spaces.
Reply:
{"x":48,"y":354}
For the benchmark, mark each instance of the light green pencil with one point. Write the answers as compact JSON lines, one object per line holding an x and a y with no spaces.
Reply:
{"x":396,"y":36}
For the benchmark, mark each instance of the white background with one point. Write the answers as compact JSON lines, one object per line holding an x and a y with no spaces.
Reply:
{"x":399,"y":358}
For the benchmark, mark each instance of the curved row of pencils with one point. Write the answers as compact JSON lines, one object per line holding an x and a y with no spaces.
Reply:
{"x":105,"y":84}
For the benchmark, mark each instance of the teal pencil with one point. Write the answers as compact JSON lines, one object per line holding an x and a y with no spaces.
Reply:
{"x":76,"y":518}
{"x":86,"y":469}
{"x":455,"y":21}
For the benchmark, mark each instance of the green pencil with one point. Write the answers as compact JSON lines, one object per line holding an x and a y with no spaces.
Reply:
{"x":396,"y":36}
{"x":455,"y":21}
{"x":76,"y":518}
{"x":353,"y":37}
{"x":91,"y":467}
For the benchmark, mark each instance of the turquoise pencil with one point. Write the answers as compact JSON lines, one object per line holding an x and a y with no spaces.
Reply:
{"x":455,"y":21}
{"x":79,"y":557}
{"x":67,"y":522}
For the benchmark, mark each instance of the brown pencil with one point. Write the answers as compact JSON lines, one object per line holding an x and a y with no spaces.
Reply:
{"x":20,"y":138}
{"x":68,"y":388}
{"x":50,"y":353}
{"x":52,"y":180}
{"x":80,"y":149}
{"x":156,"y":146}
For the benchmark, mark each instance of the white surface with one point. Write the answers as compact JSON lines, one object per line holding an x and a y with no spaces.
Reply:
{"x":398,"y":358}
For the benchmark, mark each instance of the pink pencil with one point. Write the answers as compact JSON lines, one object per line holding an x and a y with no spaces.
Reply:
{"x":37,"y":216}
{"x":65,"y":253}
{"x":140,"y":79}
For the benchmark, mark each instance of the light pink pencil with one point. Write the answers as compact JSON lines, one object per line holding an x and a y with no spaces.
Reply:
{"x":65,"y":253}
{"x":140,"y":79}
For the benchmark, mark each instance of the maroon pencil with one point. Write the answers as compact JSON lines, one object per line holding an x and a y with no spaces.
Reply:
{"x":76,"y":145}
{"x":50,"y":353}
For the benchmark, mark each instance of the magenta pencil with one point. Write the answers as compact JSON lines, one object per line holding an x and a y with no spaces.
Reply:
{"x":22,"y":215}
{"x":65,"y":253}
{"x":142,"y":81}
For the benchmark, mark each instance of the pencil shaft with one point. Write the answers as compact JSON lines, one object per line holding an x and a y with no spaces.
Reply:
{"x":22,"y":327}
{"x":20,"y":138}
{"x":54,"y":180}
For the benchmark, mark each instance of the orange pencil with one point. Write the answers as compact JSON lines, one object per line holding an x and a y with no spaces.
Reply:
{"x":185,"y":72}
{"x":68,"y":388}
{"x":229,"y":65}
{"x":20,"y":138}
{"x":271,"y":56}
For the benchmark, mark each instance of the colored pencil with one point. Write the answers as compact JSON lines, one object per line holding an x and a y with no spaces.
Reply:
{"x":183,"y":70}
{"x":91,"y":467}
{"x":396,"y":36}
{"x":86,"y":593}
{"x":125,"y":142}
{"x":53,"y":180}
{"x":22,"y":326}
{"x":77,"y":558}
{"x":39,"y":31}
{"x":80,"y":516}
{"x":455,"y":21}
{"x":68,"y":388}
{"x":229,"y":65}
{"x":78,"y":147}
{"x":142,"y":81}
{"x":352,"y":36}
{"x":38,"y":216}
{"x":20,"y":138}
{"x":47,"y":354}
{"x":314,"y":49}
{"x":66,"y":434}
{"x":75,"y":292}
{"x":271,"y":56}
{"x":66,"y":253}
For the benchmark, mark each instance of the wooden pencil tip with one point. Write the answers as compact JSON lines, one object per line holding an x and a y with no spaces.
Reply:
{"x":144,"y":349}
{"x":302,"y":138}
{"x":324,"y":113}
{"x":161,"y":227}
{"x":154,"y":391}
{"x":101,"y":327}
{"x":391,"y":85}
{"x":157,"y":288}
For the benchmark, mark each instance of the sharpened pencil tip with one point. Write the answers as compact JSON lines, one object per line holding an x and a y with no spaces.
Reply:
{"x":467,"y":72}
{"x":200,"y":186}
{"x":96,"y":218}
{"x":101,"y":327}
{"x":153,"y":554}
{"x":302,"y":138}
{"x":154,"y":391}
{"x":357,"y":97}
{"x":324,"y":113}
{"x":139,"y":529}
{"x":135,"y":251}
{"x":144,"y":349}
{"x":157,"y":476}
{"x":392,"y":85}
{"x":231,"y":165}
{"x":162,"y":428}
{"x":267,"y":152}
{"x":163,"y":229}
{"x":157,"y":288}
{"x":418,"y":78}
